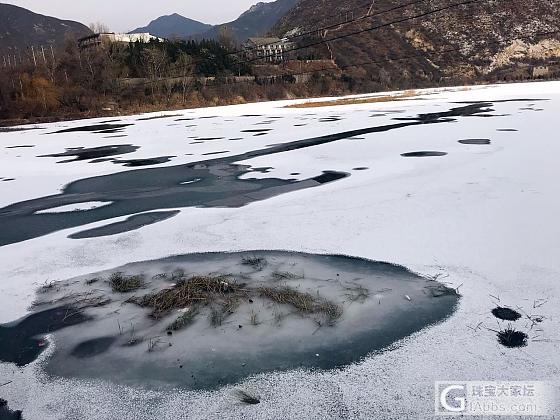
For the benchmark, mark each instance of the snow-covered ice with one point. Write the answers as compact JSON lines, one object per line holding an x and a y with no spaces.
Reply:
{"x":484,"y":217}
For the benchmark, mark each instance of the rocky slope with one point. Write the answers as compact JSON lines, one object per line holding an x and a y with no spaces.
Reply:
{"x":490,"y":38}
{"x":20,"y":28}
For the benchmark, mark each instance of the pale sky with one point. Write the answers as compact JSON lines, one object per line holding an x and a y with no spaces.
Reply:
{"x":126,"y":15}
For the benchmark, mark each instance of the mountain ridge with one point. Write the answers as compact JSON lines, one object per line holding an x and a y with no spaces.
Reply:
{"x":258,"y":20}
{"x":173,"y":26}
{"x":20,"y":28}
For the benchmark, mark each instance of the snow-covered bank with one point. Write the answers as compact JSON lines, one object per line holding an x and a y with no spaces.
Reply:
{"x":486,"y":215}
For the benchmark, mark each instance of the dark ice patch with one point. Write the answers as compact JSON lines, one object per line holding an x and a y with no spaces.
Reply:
{"x":424,"y":154}
{"x":132,"y":223}
{"x":92,"y":348}
{"x":209,"y":138}
{"x":81,"y":153}
{"x":23,"y":146}
{"x":215,"y":153}
{"x":21,"y":342}
{"x":506,"y":314}
{"x":92,"y":128}
{"x":6,"y":413}
{"x":157,"y":117}
{"x":478,"y":142}
{"x":133,"y":163}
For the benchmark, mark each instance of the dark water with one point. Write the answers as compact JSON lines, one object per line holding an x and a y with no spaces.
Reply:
{"x":133,"y":163}
{"x":330,"y":119}
{"x":81,"y":153}
{"x":215,"y":153}
{"x":92,"y":348}
{"x":25,"y":146}
{"x":21,"y":342}
{"x":6,"y":413}
{"x":157,"y":117}
{"x":478,"y":142}
{"x":145,"y":190}
{"x":424,"y":154}
{"x":132,"y":223}
{"x":104,"y":128}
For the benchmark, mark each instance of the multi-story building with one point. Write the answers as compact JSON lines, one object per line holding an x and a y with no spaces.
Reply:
{"x":268,"y":50}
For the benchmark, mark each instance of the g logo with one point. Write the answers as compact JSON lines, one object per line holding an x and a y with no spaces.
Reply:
{"x":461,"y":401}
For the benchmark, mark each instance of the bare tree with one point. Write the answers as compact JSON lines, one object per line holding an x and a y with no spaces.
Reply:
{"x":186,"y":71}
{"x":226,"y":37}
{"x":99,"y":28}
{"x":155,"y":61}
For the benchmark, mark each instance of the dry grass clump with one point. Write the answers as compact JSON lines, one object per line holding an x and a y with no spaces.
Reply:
{"x":285,"y":275}
{"x":246,"y":397}
{"x":184,"y":320}
{"x":355,"y":101}
{"x":121,"y":283}
{"x":303,"y":302}
{"x":195,"y":291}
{"x":257,"y":263}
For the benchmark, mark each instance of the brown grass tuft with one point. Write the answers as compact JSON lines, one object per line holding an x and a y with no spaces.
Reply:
{"x":195,"y":291}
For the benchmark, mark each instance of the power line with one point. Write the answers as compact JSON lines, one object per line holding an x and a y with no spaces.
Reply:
{"x":368,"y":15}
{"x":404,"y":58}
{"x":336,"y":25}
{"x":384,"y":25}
{"x":373,"y":28}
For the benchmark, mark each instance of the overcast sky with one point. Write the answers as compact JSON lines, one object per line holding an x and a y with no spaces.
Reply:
{"x":125,"y":15}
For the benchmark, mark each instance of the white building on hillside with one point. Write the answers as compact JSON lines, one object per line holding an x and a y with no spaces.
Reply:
{"x":111,"y":38}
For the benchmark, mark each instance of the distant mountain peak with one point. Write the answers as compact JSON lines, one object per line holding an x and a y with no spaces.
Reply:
{"x":258,"y":20}
{"x":174,"y":25}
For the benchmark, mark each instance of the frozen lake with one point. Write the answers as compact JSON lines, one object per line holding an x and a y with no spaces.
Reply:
{"x":458,"y":185}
